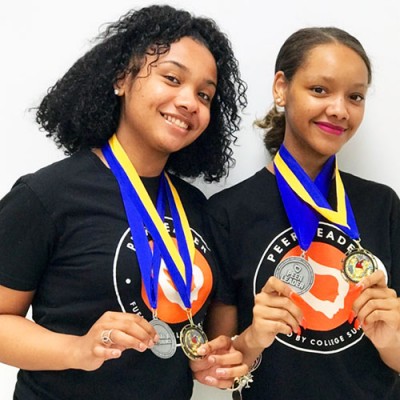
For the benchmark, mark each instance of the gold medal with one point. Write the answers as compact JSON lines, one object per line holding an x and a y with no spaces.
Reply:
{"x":192,"y":337}
{"x":358,"y":264}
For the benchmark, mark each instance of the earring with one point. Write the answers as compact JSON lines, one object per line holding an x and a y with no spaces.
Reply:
{"x":278,"y":101}
{"x":116,"y":92}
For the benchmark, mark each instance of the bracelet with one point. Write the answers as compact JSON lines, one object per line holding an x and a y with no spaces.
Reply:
{"x":241,"y":382}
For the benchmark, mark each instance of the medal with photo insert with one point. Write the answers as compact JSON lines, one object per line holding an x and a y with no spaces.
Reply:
{"x":358,"y":264}
{"x":141,"y":214}
{"x":192,"y":337}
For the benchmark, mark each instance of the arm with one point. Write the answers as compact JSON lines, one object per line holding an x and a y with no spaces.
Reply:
{"x":23,"y":343}
{"x":274,"y":312}
{"x":27,"y":345}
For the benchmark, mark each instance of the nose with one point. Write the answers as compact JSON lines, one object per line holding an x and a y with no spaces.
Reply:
{"x":187,"y":99}
{"x":338,"y":108}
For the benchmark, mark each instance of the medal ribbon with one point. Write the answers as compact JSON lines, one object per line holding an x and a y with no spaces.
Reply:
{"x":305,"y":200}
{"x":136,"y":197}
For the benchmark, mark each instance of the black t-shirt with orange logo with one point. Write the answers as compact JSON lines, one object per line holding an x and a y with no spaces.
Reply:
{"x":64,"y":234}
{"x":331,"y":359}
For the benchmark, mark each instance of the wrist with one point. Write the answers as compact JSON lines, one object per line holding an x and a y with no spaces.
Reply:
{"x":248,"y":347}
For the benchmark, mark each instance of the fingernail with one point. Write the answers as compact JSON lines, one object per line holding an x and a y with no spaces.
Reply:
{"x":357,"y":323}
{"x":352,"y":315}
{"x":303,"y":323}
{"x":298,"y":331}
{"x":211,"y":359}
{"x":355,"y":289}
{"x":142,"y":346}
{"x":360,"y":285}
{"x":156,"y":338}
{"x":221,"y":371}
{"x":294,"y":296}
{"x":150,"y":343}
{"x":116,"y":353}
{"x":210,"y":380}
{"x":201,"y":351}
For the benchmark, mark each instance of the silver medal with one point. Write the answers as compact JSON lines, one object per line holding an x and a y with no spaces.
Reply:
{"x":166,"y":346}
{"x":296,"y":272}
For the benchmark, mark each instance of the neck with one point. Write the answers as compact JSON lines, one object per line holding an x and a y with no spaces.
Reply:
{"x":147,"y":163}
{"x":310,"y":162}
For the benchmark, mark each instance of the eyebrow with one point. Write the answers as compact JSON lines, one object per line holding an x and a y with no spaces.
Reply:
{"x":329,"y":79}
{"x":186,"y":69}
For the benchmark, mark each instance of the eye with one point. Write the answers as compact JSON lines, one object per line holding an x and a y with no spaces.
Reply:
{"x":205,"y":97}
{"x":318,"y":90}
{"x":357,"y":97}
{"x":172,"y":79}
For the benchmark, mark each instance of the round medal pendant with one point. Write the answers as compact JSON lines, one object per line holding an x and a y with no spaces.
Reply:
{"x":296,"y":272}
{"x":166,"y":346}
{"x":192,"y":337}
{"x":358,"y":264}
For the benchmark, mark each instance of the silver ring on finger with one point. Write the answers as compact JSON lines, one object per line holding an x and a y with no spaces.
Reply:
{"x":106,"y":337}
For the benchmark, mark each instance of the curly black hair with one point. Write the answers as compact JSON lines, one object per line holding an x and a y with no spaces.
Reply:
{"x":81,"y":110}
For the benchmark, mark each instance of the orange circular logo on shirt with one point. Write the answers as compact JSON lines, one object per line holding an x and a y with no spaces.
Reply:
{"x":170,"y":307}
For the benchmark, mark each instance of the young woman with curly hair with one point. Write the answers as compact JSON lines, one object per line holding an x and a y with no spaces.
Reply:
{"x":109,"y":246}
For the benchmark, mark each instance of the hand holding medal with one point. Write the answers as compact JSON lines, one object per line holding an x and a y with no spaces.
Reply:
{"x":378,"y":310}
{"x":221,"y":363}
{"x":274,"y":313}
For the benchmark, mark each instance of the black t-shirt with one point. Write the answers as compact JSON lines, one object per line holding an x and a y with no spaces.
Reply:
{"x":330,"y":359}
{"x":64,"y":234}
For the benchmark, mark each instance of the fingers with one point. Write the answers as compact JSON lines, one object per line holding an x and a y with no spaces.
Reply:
{"x":217,"y":371}
{"x":106,"y":353}
{"x":221,"y":365}
{"x":222,"y":342}
{"x":275,"y":285}
{"x":128,"y":330}
{"x":223,"y":378}
{"x":281,"y":308}
{"x":377,"y":279}
{"x":376,"y":302}
{"x":111,"y":334}
{"x":374,"y":306}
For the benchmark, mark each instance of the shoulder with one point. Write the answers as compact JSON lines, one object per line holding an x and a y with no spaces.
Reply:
{"x":368,"y":190}
{"x":61,"y":172}
{"x":257,"y":185}
{"x":54,"y":183}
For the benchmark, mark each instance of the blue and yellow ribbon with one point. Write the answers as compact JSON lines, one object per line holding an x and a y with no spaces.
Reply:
{"x":179,"y":260}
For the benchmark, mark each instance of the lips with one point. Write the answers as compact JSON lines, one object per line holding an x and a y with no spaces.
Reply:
{"x":330,"y":128}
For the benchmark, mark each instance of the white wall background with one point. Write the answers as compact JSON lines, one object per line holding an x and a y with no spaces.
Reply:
{"x":39,"y":40}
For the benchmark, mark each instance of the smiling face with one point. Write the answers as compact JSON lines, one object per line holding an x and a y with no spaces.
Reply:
{"x":167,"y":105}
{"x":324,"y":103}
